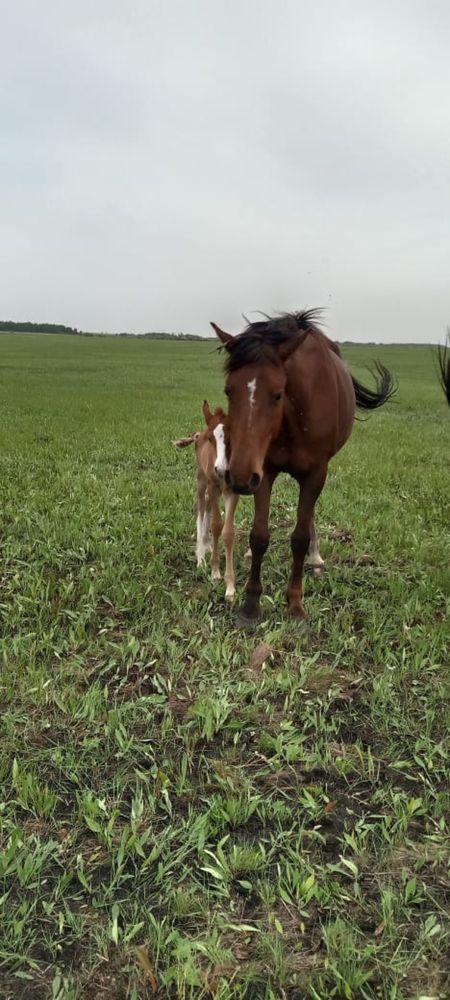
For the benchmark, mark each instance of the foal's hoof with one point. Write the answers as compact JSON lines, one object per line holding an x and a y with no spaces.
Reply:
{"x":215,"y":574}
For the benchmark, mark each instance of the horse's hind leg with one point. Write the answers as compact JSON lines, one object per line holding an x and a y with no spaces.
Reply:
{"x":228,"y":540}
{"x":314,"y":559}
{"x":216,"y":529}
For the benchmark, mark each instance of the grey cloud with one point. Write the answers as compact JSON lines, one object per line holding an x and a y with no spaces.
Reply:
{"x":167,"y":164}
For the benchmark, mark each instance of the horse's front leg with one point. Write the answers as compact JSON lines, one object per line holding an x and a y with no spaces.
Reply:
{"x":311,"y":487}
{"x":259,"y":540}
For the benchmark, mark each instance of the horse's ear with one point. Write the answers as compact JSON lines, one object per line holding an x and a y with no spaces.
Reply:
{"x":226,"y":338}
{"x":206,"y":412}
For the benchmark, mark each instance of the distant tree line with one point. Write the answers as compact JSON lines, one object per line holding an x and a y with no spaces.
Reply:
{"x":9,"y":326}
{"x":165,"y":336}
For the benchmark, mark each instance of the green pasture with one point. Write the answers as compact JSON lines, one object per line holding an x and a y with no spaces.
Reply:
{"x":189,"y":811}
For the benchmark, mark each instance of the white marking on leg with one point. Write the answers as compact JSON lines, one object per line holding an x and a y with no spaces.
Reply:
{"x":199,"y":550}
{"x":203,"y":536}
{"x":220,"y":465}
{"x":314,"y":558}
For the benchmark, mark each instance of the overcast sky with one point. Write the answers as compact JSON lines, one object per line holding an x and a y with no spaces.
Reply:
{"x":168,"y":162}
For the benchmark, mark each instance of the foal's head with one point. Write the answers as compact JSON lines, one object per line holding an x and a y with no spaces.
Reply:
{"x":255,"y":385}
{"x":213,"y":435}
{"x":215,"y":432}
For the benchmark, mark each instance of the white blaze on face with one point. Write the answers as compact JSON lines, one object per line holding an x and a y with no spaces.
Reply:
{"x":251,"y":390}
{"x":251,"y":386}
{"x":220,"y":465}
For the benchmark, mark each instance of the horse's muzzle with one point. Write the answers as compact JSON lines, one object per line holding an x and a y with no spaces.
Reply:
{"x":243,"y":489}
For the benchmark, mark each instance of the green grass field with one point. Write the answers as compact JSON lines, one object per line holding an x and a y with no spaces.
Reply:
{"x":188,"y":811}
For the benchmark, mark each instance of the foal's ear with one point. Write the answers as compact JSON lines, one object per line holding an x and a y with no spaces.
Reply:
{"x":226,"y":338}
{"x":206,"y":412}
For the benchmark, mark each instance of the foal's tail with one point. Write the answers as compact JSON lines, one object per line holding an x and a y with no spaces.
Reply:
{"x":185,"y":442}
{"x":370,"y":399}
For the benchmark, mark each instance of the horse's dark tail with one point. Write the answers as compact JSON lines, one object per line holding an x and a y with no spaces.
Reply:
{"x":370,"y":399}
{"x":444,"y":366}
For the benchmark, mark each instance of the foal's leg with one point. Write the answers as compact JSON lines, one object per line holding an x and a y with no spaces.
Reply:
{"x":203,"y":542}
{"x":314,"y":558}
{"x":311,"y":487}
{"x":231,"y":500}
{"x":259,"y":540}
{"x":216,"y":529}
{"x":206,"y":526}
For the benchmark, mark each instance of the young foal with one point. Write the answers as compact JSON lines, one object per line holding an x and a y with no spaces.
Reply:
{"x":291,"y":408}
{"x":210,"y":459}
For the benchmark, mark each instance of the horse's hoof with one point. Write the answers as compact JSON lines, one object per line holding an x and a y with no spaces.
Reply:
{"x":298,"y":612}
{"x":230,"y":597}
{"x":215,"y":575}
{"x":315,"y":570}
{"x":246,"y":621}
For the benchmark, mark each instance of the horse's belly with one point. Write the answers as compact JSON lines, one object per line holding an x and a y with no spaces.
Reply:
{"x":294,"y":461}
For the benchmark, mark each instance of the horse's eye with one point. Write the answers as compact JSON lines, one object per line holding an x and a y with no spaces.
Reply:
{"x":227,"y":392}
{"x":278,"y":396}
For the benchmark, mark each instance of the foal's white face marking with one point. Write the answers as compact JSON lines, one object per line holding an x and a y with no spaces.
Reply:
{"x":220,"y":465}
{"x":251,"y":386}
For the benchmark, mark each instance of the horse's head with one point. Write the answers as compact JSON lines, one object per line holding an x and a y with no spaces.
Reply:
{"x":256,"y":380}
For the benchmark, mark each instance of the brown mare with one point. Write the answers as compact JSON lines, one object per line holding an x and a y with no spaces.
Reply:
{"x":211,"y":486}
{"x":291,"y":408}
{"x":444,"y":367}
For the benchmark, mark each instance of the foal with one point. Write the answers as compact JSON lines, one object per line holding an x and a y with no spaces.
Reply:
{"x":210,"y":459}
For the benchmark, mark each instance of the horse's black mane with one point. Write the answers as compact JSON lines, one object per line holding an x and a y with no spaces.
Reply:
{"x":258,"y":342}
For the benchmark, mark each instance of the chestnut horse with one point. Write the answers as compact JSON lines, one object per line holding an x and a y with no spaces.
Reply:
{"x":211,"y":465}
{"x":291,"y":408}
